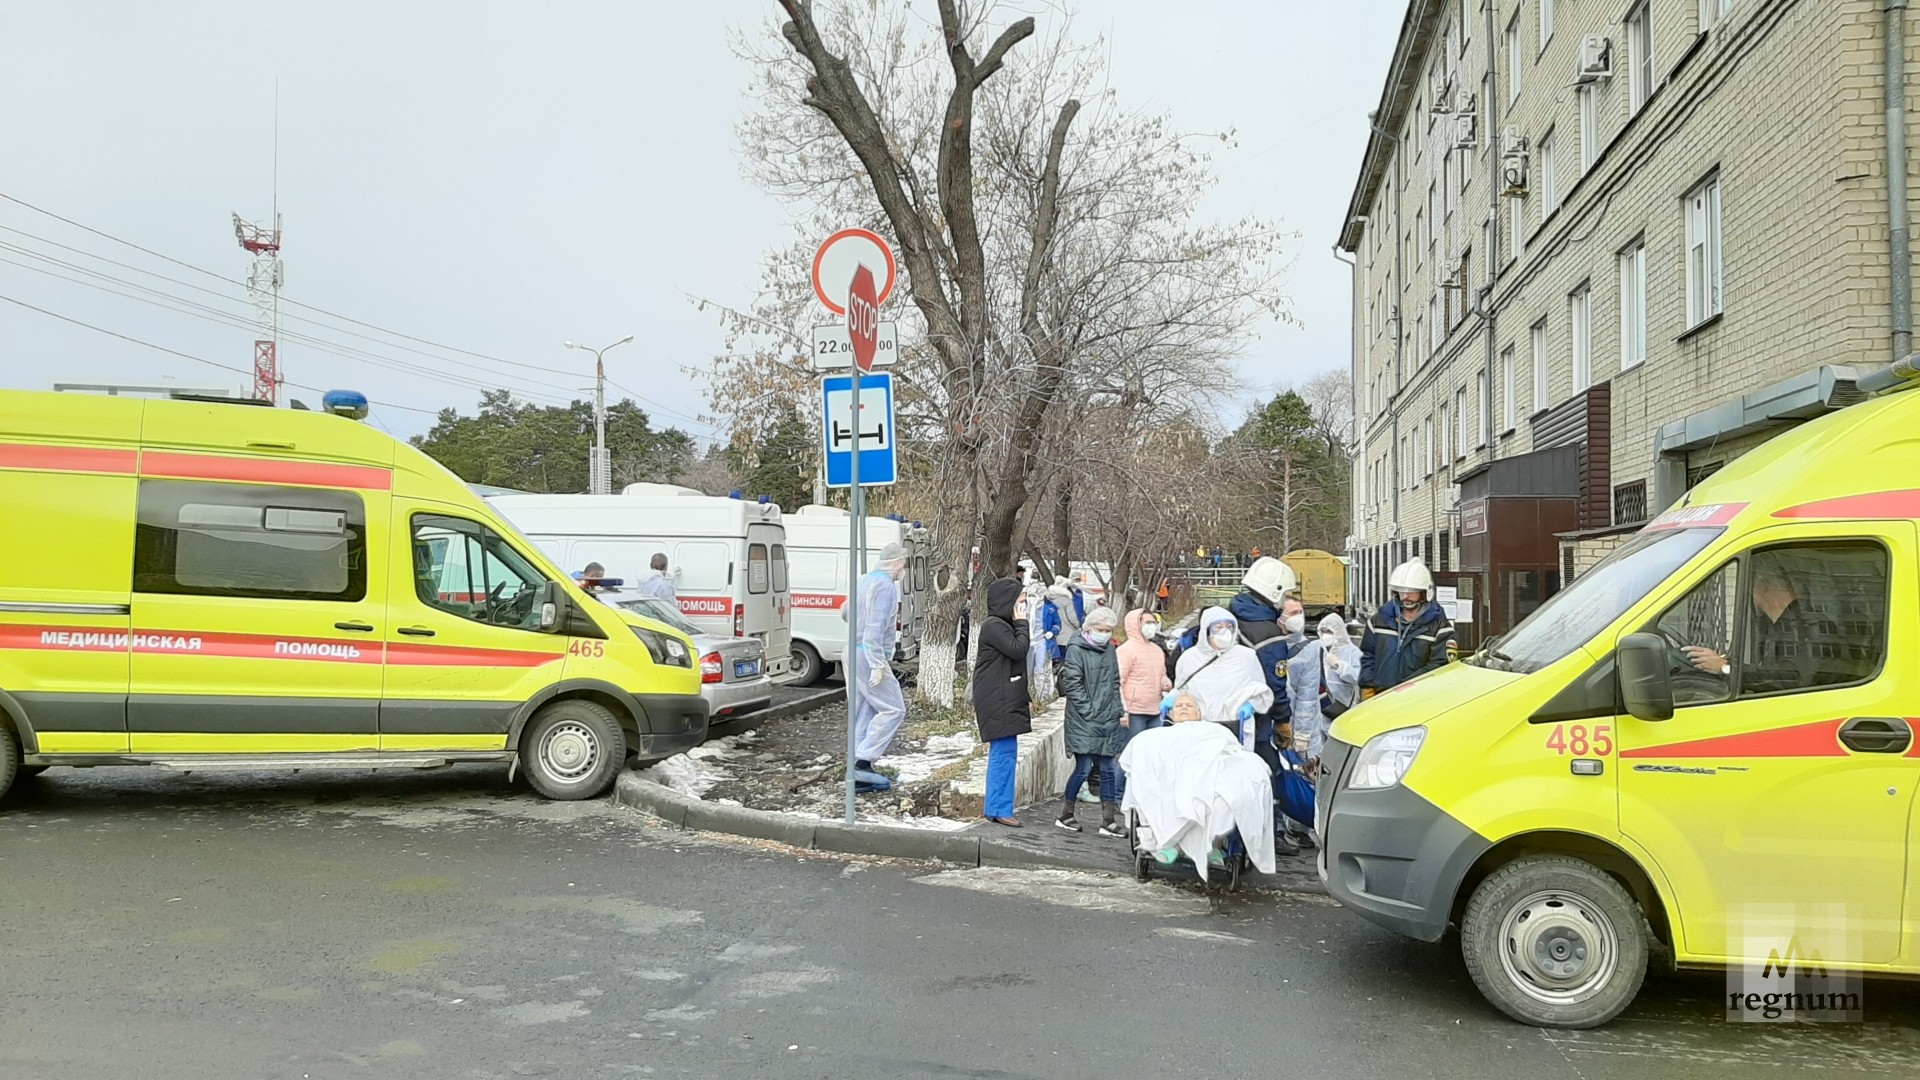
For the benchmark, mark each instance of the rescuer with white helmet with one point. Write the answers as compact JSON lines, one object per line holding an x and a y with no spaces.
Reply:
{"x":1410,"y":633}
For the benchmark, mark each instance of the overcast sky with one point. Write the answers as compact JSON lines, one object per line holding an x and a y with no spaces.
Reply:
{"x":498,"y":177}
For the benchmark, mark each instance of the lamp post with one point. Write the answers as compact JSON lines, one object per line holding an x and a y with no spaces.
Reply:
{"x":600,"y":471}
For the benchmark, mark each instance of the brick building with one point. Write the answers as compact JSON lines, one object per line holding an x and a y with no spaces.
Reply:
{"x":1600,"y":247}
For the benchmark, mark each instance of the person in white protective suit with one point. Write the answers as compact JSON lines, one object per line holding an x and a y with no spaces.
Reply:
{"x":882,"y":707}
{"x":1225,"y":674}
{"x":1191,"y":783}
{"x":1323,"y":681}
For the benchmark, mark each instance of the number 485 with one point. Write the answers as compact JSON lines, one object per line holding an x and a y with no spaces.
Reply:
{"x":1581,"y":740}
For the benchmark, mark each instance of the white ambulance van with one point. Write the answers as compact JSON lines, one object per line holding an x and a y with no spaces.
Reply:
{"x":727,"y":557}
{"x":817,"y":565}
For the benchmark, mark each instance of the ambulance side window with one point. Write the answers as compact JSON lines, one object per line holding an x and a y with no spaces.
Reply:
{"x":1817,"y":617}
{"x":466,"y":569}
{"x":1703,"y":619}
{"x":250,"y":540}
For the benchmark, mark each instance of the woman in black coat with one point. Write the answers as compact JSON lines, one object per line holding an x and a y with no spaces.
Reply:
{"x":1000,"y":704}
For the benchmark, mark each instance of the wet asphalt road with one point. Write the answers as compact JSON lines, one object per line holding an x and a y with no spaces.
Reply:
{"x":441,"y":925}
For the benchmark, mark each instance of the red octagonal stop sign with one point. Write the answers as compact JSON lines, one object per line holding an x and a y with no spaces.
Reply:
{"x":863,"y":317}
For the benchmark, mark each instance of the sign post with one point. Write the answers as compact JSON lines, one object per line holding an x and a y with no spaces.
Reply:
{"x":844,"y":267}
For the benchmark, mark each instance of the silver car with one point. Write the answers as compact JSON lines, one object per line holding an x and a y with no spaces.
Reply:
{"x":733,"y":671}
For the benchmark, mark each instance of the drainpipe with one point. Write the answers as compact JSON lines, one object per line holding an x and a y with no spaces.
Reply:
{"x":1492,"y":259}
{"x":1899,"y":258}
{"x":1355,"y":489}
{"x":1399,"y":323}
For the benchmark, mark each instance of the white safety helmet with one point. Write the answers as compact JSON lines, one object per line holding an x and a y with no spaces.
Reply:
{"x":1412,"y":574}
{"x":1271,"y":579}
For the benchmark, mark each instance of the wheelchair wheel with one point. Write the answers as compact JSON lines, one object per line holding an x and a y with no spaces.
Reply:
{"x":1141,"y":866}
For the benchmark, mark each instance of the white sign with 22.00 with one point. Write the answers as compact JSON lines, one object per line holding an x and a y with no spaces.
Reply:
{"x":833,"y":347}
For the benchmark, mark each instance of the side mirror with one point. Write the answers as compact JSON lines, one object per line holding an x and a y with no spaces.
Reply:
{"x":1646,"y":676}
{"x":553,"y":608}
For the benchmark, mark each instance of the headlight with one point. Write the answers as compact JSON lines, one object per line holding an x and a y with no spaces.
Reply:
{"x":665,"y":649}
{"x":1386,"y":758}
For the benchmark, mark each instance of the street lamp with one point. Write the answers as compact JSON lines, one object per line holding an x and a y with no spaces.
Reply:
{"x":600,"y":472}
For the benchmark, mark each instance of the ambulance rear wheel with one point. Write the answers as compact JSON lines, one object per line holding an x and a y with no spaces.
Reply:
{"x":1555,"y":942}
{"x":804,"y":665}
{"x":572,"y":750}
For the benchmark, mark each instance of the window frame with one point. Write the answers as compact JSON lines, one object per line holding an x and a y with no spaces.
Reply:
{"x":476,"y":532}
{"x":1589,"y":109}
{"x":1542,"y":370}
{"x":1639,"y":36}
{"x":1702,"y":210}
{"x":1507,"y":383}
{"x":1580,"y":329}
{"x":154,"y":493}
{"x":1514,"y":57}
{"x":766,"y":560}
{"x":1633,"y":304}
{"x":1712,"y":12}
{"x":1483,"y":413}
{"x":1549,"y":176}
{"x":777,"y":557}
{"x":1544,"y":8}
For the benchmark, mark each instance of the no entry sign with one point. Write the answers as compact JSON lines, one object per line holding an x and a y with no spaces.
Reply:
{"x":844,"y":253}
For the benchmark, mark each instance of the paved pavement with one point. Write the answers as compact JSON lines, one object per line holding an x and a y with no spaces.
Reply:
{"x":1087,"y":849}
{"x":440,"y":925}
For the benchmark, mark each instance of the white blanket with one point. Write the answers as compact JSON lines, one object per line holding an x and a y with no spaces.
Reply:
{"x":1194,"y":782}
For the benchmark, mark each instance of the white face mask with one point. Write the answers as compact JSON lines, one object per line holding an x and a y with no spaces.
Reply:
{"x":1150,"y":630}
{"x":1099,"y":637}
{"x":1297,"y":624}
{"x":1221,"y":639}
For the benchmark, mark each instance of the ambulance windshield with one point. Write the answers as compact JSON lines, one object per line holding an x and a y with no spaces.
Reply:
{"x":1571,"y":617}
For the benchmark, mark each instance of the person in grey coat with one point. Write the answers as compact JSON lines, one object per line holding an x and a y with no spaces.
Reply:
{"x":1096,"y":718}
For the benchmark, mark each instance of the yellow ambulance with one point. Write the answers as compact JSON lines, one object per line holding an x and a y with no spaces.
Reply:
{"x":1709,"y":734}
{"x":207,"y":585}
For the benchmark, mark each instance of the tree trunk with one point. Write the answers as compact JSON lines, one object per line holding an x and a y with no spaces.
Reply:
{"x":1063,"y":528}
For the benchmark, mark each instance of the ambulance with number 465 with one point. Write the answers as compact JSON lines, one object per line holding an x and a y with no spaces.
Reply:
{"x":1706,"y":742}
{"x":220,"y":585}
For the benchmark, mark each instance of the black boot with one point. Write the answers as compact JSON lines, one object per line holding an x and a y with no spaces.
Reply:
{"x":1110,"y":815}
{"x":1066,"y":820}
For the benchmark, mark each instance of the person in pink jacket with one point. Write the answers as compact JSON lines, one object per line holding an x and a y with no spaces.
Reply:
{"x":1143,"y":672}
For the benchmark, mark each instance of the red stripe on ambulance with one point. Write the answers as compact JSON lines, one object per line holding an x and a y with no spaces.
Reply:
{"x":705,"y":605}
{"x":265,"y":471}
{"x":818,"y":601}
{"x":66,"y":458}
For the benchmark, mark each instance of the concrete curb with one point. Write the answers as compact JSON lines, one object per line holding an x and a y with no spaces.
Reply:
{"x":891,"y":841}
{"x":812,"y":701}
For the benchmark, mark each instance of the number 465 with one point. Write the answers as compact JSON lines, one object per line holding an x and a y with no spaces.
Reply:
{"x":1581,"y":740}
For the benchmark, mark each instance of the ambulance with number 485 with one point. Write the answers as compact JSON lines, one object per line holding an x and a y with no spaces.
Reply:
{"x":1706,"y":742}
{"x":219,"y":585}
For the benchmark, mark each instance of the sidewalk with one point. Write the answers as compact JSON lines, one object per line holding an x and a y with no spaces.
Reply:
{"x":1053,"y":846}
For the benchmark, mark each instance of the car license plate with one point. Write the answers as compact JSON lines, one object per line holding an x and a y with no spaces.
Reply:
{"x":746,"y":669}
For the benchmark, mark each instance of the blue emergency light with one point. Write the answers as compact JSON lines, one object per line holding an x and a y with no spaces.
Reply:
{"x":351,"y":404}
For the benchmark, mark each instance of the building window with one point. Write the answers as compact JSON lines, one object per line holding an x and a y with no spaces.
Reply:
{"x":1546,"y":22}
{"x":1460,"y":410}
{"x":249,"y":541}
{"x":1513,"y":59}
{"x":1517,"y":227}
{"x":1483,"y":407}
{"x":1446,"y":438}
{"x":1703,"y":252}
{"x":1506,"y":389}
{"x":1466,"y":28}
{"x":1633,"y":305}
{"x":1579,"y":319}
{"x":1639,"y":55}
{"x":1712,"y":11}
{"x":1426,"y":448}
{"x":1589,"y":130}
{"x":1549,"y":178}
{"x":1540,"y":366}
{"x":1630,"y":503}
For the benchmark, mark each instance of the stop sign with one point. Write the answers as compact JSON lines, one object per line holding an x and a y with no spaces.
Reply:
{"x":863,"y":317}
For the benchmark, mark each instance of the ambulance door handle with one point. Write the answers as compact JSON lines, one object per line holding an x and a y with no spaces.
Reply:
{"x":416,"y":631}
{"x":1876,"y":735}
{"x":356,"y":627}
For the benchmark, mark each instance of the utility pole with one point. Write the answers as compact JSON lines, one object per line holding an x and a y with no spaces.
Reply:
{"x":600,"y":468}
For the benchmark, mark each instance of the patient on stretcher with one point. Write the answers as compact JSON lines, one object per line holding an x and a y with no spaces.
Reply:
{"x":1191,"y":783}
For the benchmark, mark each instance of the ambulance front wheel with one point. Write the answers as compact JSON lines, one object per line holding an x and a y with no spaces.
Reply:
{"x":1555,"y":942}
{"x":9,"y":758}
{"x":572,"y":750}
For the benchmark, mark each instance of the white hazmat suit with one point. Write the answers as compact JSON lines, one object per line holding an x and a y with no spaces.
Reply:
{"x":881,"y":707}
{"x":1224,"y":679}
{"x":1332,"y":660}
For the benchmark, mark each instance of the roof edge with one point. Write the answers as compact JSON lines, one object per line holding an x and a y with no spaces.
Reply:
{"x":1415,"y":29}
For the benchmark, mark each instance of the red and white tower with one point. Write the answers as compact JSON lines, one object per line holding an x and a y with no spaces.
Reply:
{"x":263,"y":287}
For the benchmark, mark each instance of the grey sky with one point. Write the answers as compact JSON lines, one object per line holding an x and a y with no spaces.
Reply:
{"x":499,"y":177}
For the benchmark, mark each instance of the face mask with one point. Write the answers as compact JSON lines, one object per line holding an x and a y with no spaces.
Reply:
{"x":1099,"y":637}
{"x":1150,"y":631}
{"x":1221,"y":639}
{"x":1297,"y":624}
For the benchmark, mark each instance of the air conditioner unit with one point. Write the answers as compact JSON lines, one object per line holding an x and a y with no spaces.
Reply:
{"x":1513,"y":164}
{"x":1596,"y":60}
{"x":1464,"y":130}
{"x":1463,"y":101}
{"x":1451,"y":270}
{"x":1442,"y":96}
